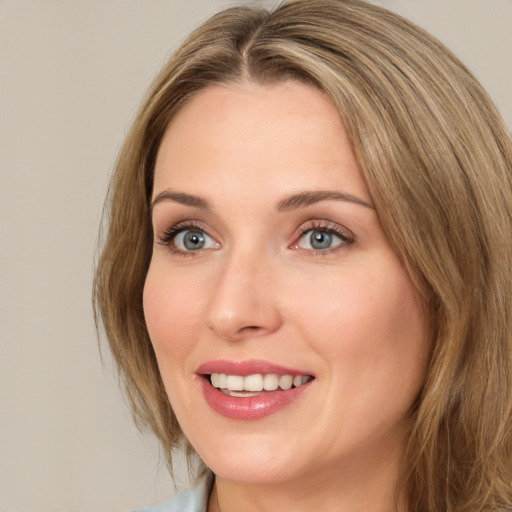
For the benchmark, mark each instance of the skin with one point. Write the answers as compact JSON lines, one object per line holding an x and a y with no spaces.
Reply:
{"x":348,"y":314}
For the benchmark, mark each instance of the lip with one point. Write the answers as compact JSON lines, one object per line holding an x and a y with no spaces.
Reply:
{"x":245,"y":368}
{"x":253,"y":407}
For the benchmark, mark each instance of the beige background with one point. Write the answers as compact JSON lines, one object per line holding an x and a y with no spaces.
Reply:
{"x":71,"y":76}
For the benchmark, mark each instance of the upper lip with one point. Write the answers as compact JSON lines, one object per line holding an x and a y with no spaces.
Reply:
{"x":248,"y":367}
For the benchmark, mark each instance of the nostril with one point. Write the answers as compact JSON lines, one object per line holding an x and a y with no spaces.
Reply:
{"x":232,"y":317}
{"x":250,"y":328}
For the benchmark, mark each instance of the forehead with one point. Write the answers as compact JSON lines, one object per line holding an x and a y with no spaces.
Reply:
{"x":281,"y":135}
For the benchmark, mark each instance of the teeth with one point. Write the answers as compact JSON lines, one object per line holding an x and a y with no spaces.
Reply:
{"x":235,"y":382}
{"x":214,"y":379}
{"x":236,"y":385}
{"x":252,"y":382}
{"x":285,"y":382}
{"x":270,"y":382}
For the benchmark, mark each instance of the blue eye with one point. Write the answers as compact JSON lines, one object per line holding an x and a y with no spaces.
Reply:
{"x":193,"y":240}
{"x":320,"y":240}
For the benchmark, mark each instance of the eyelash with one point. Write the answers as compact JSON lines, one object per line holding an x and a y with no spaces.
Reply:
{"x":168,"y":236}
{"x":347,"y":238}
{"x":325,"y":226}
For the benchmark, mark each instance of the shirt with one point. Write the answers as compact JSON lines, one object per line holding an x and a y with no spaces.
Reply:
{"x":194,"y":499}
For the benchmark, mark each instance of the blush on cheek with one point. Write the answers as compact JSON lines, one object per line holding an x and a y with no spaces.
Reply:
{"x":172,"y":317}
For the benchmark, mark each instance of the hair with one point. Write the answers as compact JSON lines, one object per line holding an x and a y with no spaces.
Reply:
{"x":437,"y":160}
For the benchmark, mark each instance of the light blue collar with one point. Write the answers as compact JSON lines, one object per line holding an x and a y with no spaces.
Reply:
{"x":194,"y":499}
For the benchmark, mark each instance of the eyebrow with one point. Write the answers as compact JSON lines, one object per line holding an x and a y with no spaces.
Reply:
{"x":293,"y":202}
{"x":304,"y":199}
{"x":180,"y":197}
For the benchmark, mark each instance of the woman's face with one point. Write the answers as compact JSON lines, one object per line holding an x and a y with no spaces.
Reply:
{"x":270,"y":267}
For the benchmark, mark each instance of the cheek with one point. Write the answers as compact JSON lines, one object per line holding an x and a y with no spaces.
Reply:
{"x":370,"y":324}
{"x":172,"y":312}
{"x":361,"y":303}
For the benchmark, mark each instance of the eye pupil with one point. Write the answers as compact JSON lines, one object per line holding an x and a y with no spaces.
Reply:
{"x":320,"y":240}
{"x":193,"y":240}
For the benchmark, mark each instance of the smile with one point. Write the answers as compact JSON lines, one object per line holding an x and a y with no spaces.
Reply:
{"x":250,"y":390}
{"x":240,"y":386}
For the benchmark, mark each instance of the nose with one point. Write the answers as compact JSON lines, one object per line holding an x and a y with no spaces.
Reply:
{"x":244,"y":299}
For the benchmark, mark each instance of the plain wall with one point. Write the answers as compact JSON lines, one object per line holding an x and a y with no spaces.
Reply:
{"x":72,"y":74}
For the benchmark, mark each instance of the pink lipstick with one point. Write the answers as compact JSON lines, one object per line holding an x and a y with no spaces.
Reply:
{"x":247,"y":390}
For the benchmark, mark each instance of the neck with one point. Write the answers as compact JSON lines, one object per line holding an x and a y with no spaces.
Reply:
{"x":333,"y":491}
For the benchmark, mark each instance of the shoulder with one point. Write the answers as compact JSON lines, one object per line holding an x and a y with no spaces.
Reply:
{"x":194,"y":499}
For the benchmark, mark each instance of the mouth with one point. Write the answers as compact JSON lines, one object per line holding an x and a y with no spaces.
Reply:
{"x":250,"y":390}
{"x":255,"y":384}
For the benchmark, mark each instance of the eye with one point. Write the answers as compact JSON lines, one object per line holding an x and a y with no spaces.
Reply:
{"x":319,"y":240}
{"x":323,"y":238}
{"x":187,"y":239}
{"x":193,"y":240}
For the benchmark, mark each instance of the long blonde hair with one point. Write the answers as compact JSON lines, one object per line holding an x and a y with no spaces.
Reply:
{"x":437,"y":161}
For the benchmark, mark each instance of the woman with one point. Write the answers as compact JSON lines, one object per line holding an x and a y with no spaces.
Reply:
{"x":307,"y":272}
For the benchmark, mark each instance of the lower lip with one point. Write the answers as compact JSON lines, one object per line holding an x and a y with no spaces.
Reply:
{"x":250,"y":407}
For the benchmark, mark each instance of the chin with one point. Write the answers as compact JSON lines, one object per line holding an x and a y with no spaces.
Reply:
{"x":256,"y":463}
